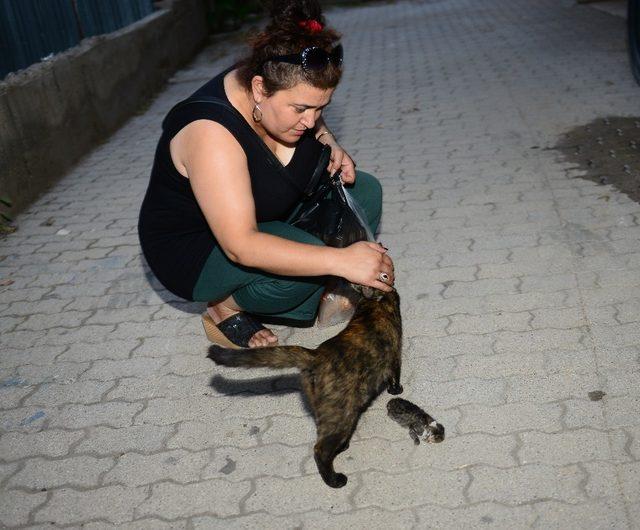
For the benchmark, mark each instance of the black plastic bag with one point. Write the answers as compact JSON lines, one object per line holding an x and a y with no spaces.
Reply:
{"x":329,"y":212}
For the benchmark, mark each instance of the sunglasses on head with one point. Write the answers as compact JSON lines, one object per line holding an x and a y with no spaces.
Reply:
{"x":312,"y":58}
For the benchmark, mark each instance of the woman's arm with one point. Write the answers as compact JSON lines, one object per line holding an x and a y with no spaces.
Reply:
{"x":339,"y":157}
{"x":217,"y":168}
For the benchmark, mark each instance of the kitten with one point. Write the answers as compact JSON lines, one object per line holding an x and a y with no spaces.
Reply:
{"x":419,"y":422}
{"x":342,"y":375}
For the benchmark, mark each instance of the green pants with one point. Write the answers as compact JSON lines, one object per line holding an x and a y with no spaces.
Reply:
{"x":271,"y":295}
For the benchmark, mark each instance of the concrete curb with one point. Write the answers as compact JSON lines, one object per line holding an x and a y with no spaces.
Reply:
{"x":54,"y":112}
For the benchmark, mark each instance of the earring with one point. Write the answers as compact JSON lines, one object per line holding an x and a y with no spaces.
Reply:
{"x":257,"y":113}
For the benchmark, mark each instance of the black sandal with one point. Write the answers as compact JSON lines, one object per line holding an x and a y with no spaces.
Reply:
{"x":233,"y":332}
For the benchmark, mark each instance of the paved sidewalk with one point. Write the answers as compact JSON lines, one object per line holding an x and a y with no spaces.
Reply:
{"x":520,"y":289}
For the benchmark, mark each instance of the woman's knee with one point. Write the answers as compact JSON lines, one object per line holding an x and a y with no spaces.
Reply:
{"x":370,"y":186}
{"x":271,"y":296}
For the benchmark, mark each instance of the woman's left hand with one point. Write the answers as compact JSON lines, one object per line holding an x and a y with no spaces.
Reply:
{"x":340,"y":159}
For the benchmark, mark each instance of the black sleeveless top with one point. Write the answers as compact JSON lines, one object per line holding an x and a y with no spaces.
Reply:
{"x":174,"y":235}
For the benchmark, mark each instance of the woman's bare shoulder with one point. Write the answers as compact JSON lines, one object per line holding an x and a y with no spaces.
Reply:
{"x":203,"y":139}
{"x":206,"y":131}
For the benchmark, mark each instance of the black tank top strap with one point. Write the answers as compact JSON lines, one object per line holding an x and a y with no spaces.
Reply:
{"x":198,"y":108}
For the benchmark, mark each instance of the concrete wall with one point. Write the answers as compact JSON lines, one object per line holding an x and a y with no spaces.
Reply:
{"x":54,"y":112}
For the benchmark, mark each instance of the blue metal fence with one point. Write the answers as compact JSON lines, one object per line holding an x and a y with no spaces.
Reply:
{"x":33,"y":29}
{"x":104,"y":16}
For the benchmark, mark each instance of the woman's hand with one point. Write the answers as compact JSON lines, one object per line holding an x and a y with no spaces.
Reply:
{"x":364,"y":262}
{"x":340,"y":160}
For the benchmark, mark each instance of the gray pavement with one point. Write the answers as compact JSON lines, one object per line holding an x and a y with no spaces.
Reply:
{"x":520,"y":287}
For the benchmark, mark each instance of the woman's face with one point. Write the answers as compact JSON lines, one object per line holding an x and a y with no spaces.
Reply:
{"x":288,"y":113}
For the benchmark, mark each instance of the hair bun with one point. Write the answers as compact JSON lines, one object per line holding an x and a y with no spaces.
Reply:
{"x":295,"y":25}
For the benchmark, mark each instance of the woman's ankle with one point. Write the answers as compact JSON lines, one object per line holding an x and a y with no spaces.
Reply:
{"x":219,"y":311}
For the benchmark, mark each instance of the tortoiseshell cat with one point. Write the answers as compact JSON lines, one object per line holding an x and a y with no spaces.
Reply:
{"x":417,"y":420}
{"x":342,"y":375}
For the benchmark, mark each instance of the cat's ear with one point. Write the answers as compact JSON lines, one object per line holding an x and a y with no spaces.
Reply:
{"x":371,"y":293}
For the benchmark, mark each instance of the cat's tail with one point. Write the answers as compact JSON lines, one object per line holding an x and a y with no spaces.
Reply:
{"x":269,"y":356}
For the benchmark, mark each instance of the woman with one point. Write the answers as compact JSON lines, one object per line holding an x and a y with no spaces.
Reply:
{"x":231,"y":167}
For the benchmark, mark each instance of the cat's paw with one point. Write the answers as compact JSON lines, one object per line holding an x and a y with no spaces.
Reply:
{"x":394,"y":390}
{"x":337,"y":480}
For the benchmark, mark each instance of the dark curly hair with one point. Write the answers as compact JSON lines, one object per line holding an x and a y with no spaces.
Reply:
{"x":284,"y":35}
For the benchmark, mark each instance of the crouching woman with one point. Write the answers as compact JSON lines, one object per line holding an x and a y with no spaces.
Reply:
{"x":230,"y":168}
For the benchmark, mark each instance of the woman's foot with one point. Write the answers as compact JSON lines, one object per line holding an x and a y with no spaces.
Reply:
{"x":219,"y":312}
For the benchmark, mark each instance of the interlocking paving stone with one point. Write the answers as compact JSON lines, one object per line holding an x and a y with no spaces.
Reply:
{"x":298,"y":494}
{"x":61,"y":372}
{"x":115,"y":504}
{"x":86,"y":333}
{"x":582,"y":413}
{"x":156,"y":385}
{"x":79,"y":472}
{"x":481,"y":515}
{"x":145,"y":523}
{"x":571,"y":447}
{"x":606,"y":513}
{"x":549,"y":388}
{"x":170,"y":501}
{"x":463,"y":451}
{"x":512,"y":417}
{"x":538,"y":340}
{"x":463,"y":391}
{"x":12,"y":396}
{"x":601,"y":476}
{"x":575,"y":361}
{"x":488,"y":323}
{"x":188,"y":365}
{"x":7,"y":470}
{"x":59,"y":394}
{"x":154,"y":347}
{"x":434,"y":348}
{"x":10,"y":323}
{"x":503,"y":364}
{"x":291,"y":430}
{"x":109,"y":370}
{"x":633,"y":510}
{"x":630,"y":481}
{"x":16,"y":506}
{"x":53,"y":443}
{"x":274,"y":460}
{"x":314,"y":520}
{"x":519,"y":282}
{"x":113,"y":414}
{"x":133,"y":469}
{"x":110,"y":349}
{"x":445,"y":488}
{"x":527,"y":483}
{"x":622,"y":411}
{"x":118,"y":441}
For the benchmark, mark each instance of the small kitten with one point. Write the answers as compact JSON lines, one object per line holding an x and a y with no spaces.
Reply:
{"x":419,"y":422}
{"x":342,"y":375}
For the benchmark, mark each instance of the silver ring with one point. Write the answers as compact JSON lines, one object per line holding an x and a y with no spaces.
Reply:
{"x":384,"y":277}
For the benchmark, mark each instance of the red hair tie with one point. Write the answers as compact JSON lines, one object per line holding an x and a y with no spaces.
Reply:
{"x":312,"y":26}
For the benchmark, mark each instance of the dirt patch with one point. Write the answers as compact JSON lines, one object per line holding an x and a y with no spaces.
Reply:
{"x":608,"y":151}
